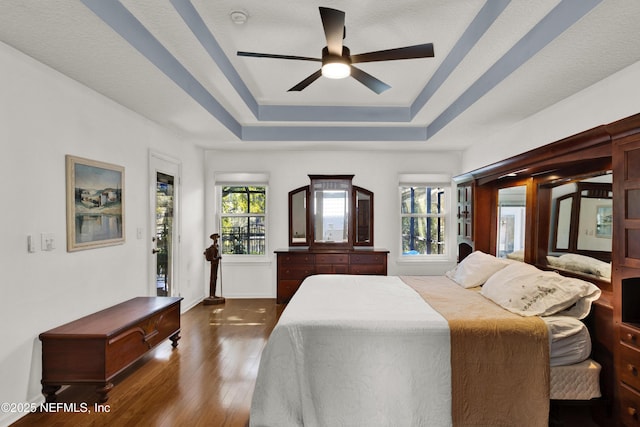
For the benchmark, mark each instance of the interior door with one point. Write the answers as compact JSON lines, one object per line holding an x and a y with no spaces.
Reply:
{"x":164,"y":220}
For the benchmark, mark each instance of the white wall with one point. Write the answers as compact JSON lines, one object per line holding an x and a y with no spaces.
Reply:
{"x":43,"y":117}
{"x":288,"y":170}
{"x":611,"y":99}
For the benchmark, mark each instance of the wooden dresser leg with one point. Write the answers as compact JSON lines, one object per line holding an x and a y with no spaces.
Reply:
{"x":174,"y":339}
{"x":103,"y":392}
{"x":49,"y":392}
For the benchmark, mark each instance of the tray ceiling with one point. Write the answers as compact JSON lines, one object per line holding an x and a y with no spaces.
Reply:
{"x":174,"y":61}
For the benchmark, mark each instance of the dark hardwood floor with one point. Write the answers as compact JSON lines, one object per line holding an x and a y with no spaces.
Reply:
{"x":207,"y":381}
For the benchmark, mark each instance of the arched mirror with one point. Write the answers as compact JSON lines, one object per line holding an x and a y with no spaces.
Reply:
{"x":298,"y":217}
{"x":363,"y":201}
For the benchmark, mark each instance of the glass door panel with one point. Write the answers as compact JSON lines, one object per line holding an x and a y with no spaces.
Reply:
{"x":164,"y":233}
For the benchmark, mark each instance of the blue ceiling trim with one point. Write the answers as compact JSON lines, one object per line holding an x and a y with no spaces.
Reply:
{"x":563,"y":16}
{"x":114,"y":14}
{"x":333,"y":113}
{"x":480,"y":24}
{"x":333,"y":133}
{"x":196,"y":24}
{"x":483,"y":20}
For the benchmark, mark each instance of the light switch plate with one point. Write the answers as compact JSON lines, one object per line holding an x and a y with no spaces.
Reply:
{"x":47,"y":241}
{"x":31,"y":246}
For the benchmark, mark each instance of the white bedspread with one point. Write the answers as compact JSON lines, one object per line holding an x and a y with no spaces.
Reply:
{"x":352,"y":356}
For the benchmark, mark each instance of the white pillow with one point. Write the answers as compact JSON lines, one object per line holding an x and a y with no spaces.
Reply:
{"x":516,"y":256}
{"x":586,"y":264}
{"x":475,"y":269}
{"x":525,"y":290}
{"x":555,"y":261}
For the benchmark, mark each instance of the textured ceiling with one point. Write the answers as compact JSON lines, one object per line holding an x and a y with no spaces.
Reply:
{"x":174,"y":61}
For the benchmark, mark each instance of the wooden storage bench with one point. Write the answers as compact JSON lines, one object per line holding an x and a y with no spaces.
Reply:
{"x":95,"y":348}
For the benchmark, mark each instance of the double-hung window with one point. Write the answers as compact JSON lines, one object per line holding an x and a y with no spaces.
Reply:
{"x":242,"y":218}
{"x":423,"y":215}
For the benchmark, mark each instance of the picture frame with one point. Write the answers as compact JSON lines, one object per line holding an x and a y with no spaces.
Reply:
{"x":95,"y":204}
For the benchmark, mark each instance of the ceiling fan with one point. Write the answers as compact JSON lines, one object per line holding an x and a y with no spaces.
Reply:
{"x":337,"y":61}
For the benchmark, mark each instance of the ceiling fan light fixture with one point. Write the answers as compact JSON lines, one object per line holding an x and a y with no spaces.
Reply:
{"x":336,"y":66}
{"x":336,"y":70}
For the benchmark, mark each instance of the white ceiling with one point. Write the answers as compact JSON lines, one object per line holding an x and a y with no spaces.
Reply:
{"x":174,"y":61}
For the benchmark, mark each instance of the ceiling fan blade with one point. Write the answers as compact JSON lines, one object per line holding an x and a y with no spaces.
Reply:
{"x":269,"y":55}
{"x":306,"y":82}
{"x":368,"y":80}
{"x":333,"y":23}
{"x":409,"y":52}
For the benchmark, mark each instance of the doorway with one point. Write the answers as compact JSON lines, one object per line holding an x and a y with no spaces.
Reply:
{"x":164,"y":225}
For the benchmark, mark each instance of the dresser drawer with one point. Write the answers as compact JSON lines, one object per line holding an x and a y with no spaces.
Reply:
{"x":286,"y":289}
{"x":375,"y":258}
{"x":332,"y":269}
{"x":332,"y":258}
{"x":295,"y":259}
{"x":630,"y":366}
{"x":367,"y":269}
{"x":286,"y":272}
{"x":630,"y":336}
{"x":629,"y":407}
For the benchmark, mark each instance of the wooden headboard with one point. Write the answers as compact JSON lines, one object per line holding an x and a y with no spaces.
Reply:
{"x":580,"y":155}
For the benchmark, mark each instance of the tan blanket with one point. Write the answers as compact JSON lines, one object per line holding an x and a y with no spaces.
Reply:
{"x":499,"y":360}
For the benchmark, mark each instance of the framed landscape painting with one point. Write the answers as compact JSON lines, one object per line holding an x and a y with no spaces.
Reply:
{"x":95,"y":204}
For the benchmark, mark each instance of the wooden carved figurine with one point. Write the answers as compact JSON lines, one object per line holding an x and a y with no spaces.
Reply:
{"x":212,"y":254}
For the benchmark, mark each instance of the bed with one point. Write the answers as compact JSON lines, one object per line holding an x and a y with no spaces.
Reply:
{"x":414,"y":351}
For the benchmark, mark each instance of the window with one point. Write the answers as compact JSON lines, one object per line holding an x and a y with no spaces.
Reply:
{"x":423,"y":222}
{"x":242,"y":219}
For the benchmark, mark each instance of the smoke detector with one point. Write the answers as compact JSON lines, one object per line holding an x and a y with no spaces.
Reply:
{"x":239,"y":17}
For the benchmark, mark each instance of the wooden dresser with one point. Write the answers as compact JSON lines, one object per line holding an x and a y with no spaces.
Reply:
{"x":296,"y":264}
{"x":95,"y":348}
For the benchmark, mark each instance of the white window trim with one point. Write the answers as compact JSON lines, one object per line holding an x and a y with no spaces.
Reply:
{"x":236,"y":179}
{"x":428,"y":180}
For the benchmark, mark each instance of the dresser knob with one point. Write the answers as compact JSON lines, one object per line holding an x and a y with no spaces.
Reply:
{"x":632,"y":411}
{"x":632,"y":369}
{"x":631,"y":337}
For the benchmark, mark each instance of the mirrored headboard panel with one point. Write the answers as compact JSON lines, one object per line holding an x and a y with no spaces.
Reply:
{"x":568,"y":206}
{"x":580,"y":226}
{"x":581,"y":219}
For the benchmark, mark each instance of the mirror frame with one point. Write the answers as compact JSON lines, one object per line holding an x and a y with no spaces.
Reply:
{"x":292,"y":194}
{"x":594,"y":190}
{"x":526,"y":187}
{"x":356,"y":216}
{"x":352,"y":218}
{"x":586,"y":168}
{"x":331,"y":180}
{"x":556,"y":223}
